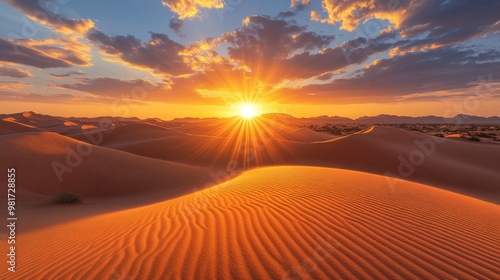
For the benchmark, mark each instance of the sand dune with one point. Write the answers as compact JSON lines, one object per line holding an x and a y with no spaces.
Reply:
{"x":90,"y":170}
{"x":31,"y":122}
{"x":148,"y":215}
{"x":277,"y":223}
{"x":10,"y":125}
{"x":36,"y":120}
{"x":138,"y":132}
{"x":467,"y":168}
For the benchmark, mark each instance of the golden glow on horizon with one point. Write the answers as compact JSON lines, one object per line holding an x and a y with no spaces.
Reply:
{"x":248,"y":111}
{"x":243,"y":143}
{"x":157,"y":109}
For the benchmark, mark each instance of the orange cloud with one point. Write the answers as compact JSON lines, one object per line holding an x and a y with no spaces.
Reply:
{"x":439,"y":23}
{"x":67,"y":49}
{"x":297,"y":2}
{"x":200,"y":55}
{"x":140,"y":91}
{"x":351,"y":13}
{"x":13,"y":86}
{"x":42,"y":12}
{"x":48,"y":53}
{"x":190,"y":8}
{"x":14,"y":72}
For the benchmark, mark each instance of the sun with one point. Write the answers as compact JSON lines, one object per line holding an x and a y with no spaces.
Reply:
{"x":248,"y":111}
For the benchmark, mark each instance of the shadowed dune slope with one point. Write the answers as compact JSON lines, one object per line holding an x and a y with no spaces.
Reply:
{"x":12,"y":126}
{"x":90,"y":170}
{"x":135,"y":133}
{"x":278,"y":223}
{"x":31,"y":122}
{"x":467,"y":168}
{"x":129,"y":135}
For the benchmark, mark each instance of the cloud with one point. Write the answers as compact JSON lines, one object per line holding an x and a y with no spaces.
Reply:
{"x":348,"y":53}
{"x":14,"y":72}
{"x":222,"y":84}
{"x":267,"y":37}
{"x":287,"y":14}
{"x":22,"y":96}
{"x":190,"y":8}
{"x":265,"y":45}
{"x":13,"y":86}
{"x":267,"y":51}
{"x":435,"y":23}
{"x":201,"y":56}
{"x":44,"y":11}
{"x":299,"y":2}
{"x":392,"y":78}
{"x":49,"y":53}
{"x":136,"y":90}
{"x":277,"y":55}
{"x":299,"y":5}
{"x":176,"y":25}
{"x":108,"y":86}
{"x":275,"y":49}
{"x":67,"y":74}
{"x":160,"y":52}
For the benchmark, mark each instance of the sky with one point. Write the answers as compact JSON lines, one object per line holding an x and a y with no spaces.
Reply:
{"x":205,"y":58}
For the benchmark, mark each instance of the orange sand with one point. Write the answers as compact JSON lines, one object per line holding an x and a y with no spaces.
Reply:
{"x":275,"y":223}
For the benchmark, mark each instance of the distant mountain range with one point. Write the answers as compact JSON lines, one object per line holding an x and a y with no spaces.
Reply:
{"x":391,"y":119}
{"x":380,"y":119}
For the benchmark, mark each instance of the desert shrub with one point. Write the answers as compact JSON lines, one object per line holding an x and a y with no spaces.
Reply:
{"x":474,"y":138}
{"x":68,"y":198}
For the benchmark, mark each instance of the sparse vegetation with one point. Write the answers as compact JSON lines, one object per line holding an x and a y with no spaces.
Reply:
{"x":68,"y":198}
{"x":478,"y":133}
